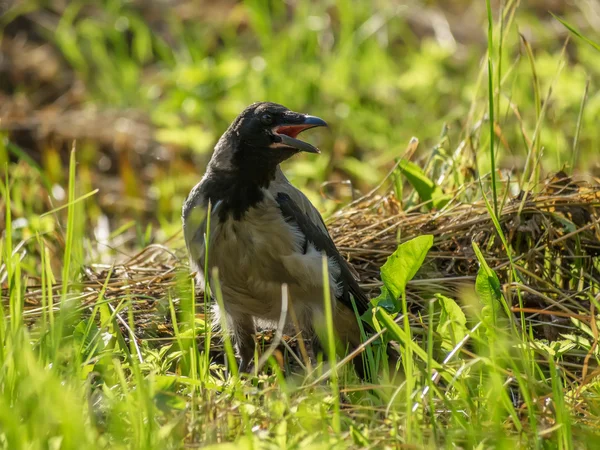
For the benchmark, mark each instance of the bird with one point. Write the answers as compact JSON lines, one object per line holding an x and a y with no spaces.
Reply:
{"x":264,"y":232}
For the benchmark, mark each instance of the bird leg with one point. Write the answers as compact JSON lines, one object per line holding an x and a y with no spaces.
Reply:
{"x":314,"y":346}
{"x":242,"y":328}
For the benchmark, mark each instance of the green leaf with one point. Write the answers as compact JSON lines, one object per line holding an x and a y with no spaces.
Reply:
{"x":452,"y":323}
{"x":439,"y":198}
{"x":385,"y":300}
{"x":554,"y":348}
{"x":487,"y":286}
{"x":581,"y":342}
{"x":583,"y":327}
{"x":397,"y":179}
{"x":404,"y":263}
{"x":428,"y":192}
{"x":417,"y":178}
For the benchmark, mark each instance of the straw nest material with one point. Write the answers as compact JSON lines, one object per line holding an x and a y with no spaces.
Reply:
{"x":554,"y":237}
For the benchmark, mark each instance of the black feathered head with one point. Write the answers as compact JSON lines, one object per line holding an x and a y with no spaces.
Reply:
{"x":262,"y":136}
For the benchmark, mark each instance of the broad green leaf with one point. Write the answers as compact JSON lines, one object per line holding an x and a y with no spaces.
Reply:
{"x":426,"y":188}
{"x":452,"y":323}
{"x":487,"y":286}
{"x":417,"y":178}
{"x":404,"y":263}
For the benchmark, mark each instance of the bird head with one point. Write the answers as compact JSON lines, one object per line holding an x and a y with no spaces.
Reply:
{"x":264,"y":135}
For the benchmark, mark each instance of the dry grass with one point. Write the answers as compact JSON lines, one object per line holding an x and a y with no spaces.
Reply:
{"x":554,"y":236}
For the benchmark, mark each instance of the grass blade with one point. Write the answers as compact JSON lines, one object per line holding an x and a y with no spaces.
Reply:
{"x":491,"y":104}
{"x":577,"y":33}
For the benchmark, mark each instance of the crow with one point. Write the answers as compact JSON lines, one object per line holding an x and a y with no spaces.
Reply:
{"x":264,"y":232}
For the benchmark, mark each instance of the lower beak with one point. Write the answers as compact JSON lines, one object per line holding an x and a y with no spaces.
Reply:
{"x":288,"y":132}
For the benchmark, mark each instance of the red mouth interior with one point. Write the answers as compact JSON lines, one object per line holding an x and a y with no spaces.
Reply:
{"x":292,"y":130}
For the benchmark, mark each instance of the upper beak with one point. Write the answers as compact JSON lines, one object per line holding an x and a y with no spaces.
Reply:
{"x":287,"y":132}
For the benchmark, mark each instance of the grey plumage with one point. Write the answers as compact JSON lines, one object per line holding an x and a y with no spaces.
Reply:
{"x":265,"y":232}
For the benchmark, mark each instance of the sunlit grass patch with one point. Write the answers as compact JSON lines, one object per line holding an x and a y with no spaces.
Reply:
{"x":486,"y":366}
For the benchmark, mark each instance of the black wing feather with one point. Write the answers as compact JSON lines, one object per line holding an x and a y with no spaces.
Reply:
{"x":323,"y":242}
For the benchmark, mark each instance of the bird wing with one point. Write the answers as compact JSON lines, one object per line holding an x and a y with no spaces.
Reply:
{"x":281,"y":184}
{"x":321,"y":240}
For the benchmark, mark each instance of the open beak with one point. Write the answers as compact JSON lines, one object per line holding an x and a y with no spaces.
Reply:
{"x":287,"y":132}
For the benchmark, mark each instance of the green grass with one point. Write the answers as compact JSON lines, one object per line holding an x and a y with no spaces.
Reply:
{"x":74,"y":371}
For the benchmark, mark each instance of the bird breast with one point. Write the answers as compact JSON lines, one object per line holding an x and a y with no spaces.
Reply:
{"x":258,"y":253}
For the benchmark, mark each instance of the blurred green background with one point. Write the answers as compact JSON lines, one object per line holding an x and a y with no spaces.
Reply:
{"x":147,"y":87}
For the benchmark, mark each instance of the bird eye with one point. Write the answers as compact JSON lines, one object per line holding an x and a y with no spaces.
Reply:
{"x":266,"y":119}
